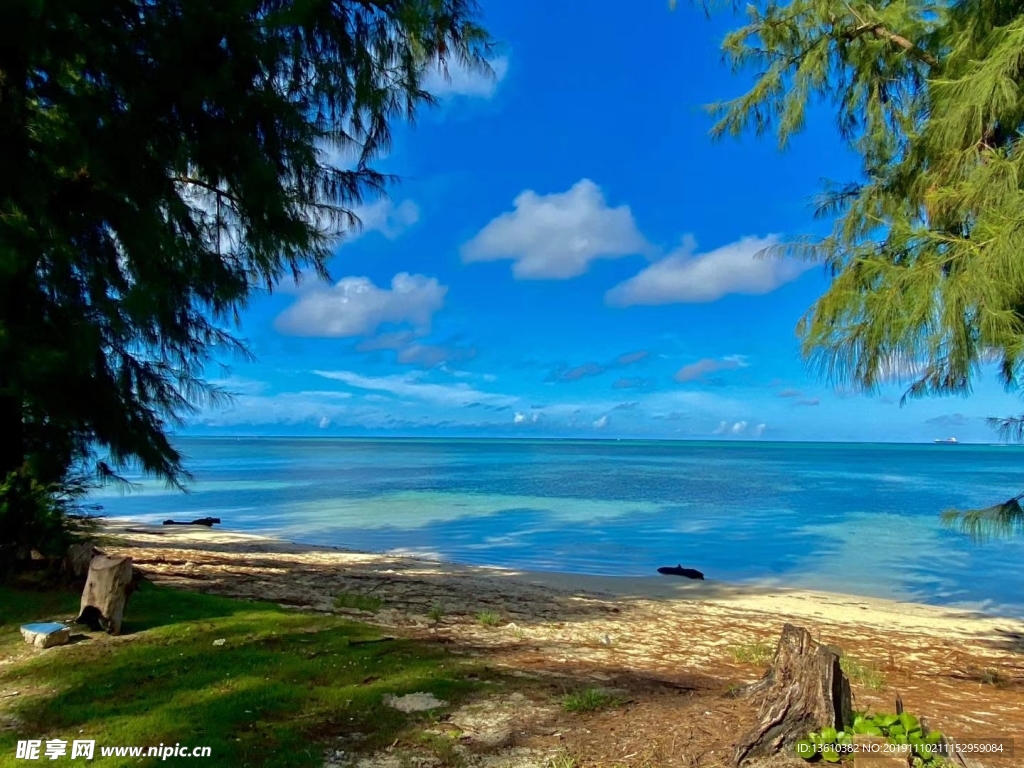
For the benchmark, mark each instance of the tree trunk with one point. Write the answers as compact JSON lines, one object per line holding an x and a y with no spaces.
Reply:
{"x":107,"y":589}
{"x":804,"y":690}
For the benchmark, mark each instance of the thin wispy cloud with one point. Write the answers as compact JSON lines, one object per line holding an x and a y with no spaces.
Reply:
{"x":705,"y":367}
{"x":563,"y":373}
{"x":456,"y":79}
{"x":458,"y":394}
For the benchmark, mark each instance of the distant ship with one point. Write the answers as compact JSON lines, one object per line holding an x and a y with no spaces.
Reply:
{"x":947,"y":441}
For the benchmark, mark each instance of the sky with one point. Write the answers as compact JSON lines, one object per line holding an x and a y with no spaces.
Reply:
{"x":569,"y":254}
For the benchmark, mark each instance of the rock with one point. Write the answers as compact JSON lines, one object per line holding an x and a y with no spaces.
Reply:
{"x":219,"y":642}
{"x":46,"y":635}
{"x":414,"y":702}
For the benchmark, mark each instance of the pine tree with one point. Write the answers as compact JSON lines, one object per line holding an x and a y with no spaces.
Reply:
{"x":162,"y":160}
{"x":925,"y":253}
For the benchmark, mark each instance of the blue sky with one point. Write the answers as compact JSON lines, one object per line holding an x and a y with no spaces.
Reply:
{"x":568,"y":254}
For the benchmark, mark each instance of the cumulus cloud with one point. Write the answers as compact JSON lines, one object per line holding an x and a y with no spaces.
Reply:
{"x":725,"y":428}
{"x":601,"y":423}
{"x":760,"y":429}
{"x":385,"y":217}
{"x":459,"y":394}
{"x":522,"y":418}
{"x":456,"y":79}
{"x":703,"y":368}
{"x":557,"y":236}
{"x":354,"y":306}
{"x":684,"y":277}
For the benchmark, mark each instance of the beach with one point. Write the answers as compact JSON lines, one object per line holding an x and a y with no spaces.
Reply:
{"x":962,"y":669}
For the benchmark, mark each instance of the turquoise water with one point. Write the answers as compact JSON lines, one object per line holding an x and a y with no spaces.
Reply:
{"x":855,"y":518}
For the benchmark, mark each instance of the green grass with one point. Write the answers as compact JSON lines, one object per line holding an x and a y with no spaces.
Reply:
{"x":588,"y":700}
{"x":283,"y":684}
{"x":563,"y":760}
{"x":759,"y":653}
{"x":356,"y":601}
{"x":436,"y":613}
{"x":489,"y":618}
{"x":862,"y":674}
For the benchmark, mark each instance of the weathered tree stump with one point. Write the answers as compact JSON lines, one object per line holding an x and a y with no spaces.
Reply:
{"x":107,"y":589}
{"x":76,"y":562}
{"x":804,"y":690}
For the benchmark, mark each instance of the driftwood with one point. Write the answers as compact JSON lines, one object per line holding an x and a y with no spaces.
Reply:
{"x":209,"y":522}
{"x":110,"y":582}
{"x":804,"y":690}
{"x":678,"y":570}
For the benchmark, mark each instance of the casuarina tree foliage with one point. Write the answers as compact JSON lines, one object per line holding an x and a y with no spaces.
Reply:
{"x":161,"y":160}
{"x":926,"y":253}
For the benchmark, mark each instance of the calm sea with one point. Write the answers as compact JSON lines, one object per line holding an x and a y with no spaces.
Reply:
{"x":856,"y":518}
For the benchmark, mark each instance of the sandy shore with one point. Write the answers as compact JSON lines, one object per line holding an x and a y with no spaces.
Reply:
{"x":963,"y":669}
{"x":759,"y":598}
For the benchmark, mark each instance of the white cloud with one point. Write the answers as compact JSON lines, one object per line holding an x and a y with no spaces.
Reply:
{"x":451,"y":395}
{"x":354,"y":306}
{"x":464,"y":81}
{"x":519,"y":418}
{"x":736,"y":428}
{"x":601,"y":423}
{"x":759,"y":429}
{"x":324,"y":422}
{"x":685,"y":278}
{"x":556,"y":236}
{"x":385,"y":217}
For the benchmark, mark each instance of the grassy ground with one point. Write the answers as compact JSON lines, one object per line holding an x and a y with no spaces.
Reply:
{"x":281,"y":685}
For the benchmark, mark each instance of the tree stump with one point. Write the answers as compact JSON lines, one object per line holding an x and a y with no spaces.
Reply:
{"x":107,"y":589}
{"x":804,"y":690}
{"x":76,"y":562}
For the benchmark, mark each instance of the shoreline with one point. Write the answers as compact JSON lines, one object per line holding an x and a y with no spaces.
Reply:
{"x":760,"y":598}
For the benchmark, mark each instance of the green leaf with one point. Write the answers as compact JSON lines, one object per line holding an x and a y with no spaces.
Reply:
{"x":828,"y":735}
{"x":897,"y":730}
{"x":830,"y":755}
{"x":909,"y":722}
{"x":806,"y":749}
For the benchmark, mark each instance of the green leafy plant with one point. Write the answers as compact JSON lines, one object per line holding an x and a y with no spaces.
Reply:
{"x":436,"y":613}
{"x":824,"y":744}
{"x":904,"y":729}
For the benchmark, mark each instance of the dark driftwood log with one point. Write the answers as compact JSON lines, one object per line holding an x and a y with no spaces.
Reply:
{"x":107,"y":589}
{"x":209,"y":522}
{"x":804,"y":690}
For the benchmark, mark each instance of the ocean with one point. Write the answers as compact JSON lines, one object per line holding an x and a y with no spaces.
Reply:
{"x":854,"y":518}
